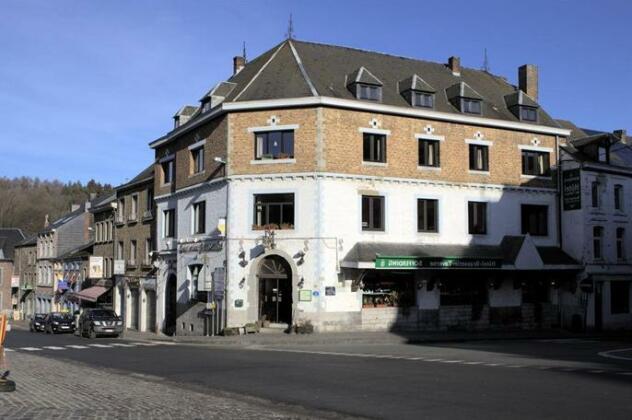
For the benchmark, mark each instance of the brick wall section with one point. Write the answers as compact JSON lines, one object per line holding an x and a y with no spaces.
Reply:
{"x":242,"y":142}
{"x":343,"y":148}
{"x":215,"y":134}
{"x":140,"y":230}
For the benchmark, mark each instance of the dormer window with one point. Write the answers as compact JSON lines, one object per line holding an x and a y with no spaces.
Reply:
{"x":470,"y":106}
{"x":528,"y":113}
{"x":522,"y":106}
{"x":368,"y":92}
{"x":417,"y":92}
{"x":364,"y":85}
{"x":206,"y":105}
{"x":465,"y":99}
{"x":422,"y":99}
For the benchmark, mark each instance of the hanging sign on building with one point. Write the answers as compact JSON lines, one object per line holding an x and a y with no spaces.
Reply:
{"x":119,"y":267}
{"x":571,"y":189}
{"x":96,"y":267}
{"x":436,"y":262}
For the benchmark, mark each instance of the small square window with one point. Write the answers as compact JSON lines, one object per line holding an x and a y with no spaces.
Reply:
{"x":535,"y":163}
{"x":470,"y":106}
{"x":368,"y":92}
{"x":374,"y":148}
{"x":372,"y":212}
{"x":528,"y":113}
{"x":422,"y":99}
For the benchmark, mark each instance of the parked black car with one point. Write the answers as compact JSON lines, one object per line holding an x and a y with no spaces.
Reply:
{"x":97,"y":322}
{"x":37,"y":322}
{"x":57,"y":322}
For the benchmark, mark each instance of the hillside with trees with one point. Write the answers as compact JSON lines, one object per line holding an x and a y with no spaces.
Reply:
{"x":25,"y":201}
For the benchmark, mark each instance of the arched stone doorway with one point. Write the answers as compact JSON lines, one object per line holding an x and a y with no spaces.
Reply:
{"x":171,"y":303}
{"x":275,"y":290}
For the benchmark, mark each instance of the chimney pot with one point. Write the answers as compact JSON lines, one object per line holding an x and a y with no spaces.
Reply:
{"x":622,"y":134}
{"x":528,"y":80}
{"x":239,"y":63}
{"x":454,"y":64}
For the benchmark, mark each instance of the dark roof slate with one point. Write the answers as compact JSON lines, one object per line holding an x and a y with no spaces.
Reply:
{"x":520,"y":98}
{"x":9,"y":238}
{"x":324,"y":70}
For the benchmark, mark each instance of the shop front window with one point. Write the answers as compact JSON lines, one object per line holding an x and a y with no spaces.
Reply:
{"x":388,"y":289}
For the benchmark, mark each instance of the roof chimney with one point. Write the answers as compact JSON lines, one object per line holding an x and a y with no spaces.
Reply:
{"x":454,"y":64}
{"x":622,"y":134}
{"x":528,"y":80}
{"x":239,"y":63}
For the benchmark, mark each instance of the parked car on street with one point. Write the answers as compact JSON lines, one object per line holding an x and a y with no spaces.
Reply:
{"x":37,"y":322}
{"x":100,"y":322}
{"x":57,"y":322}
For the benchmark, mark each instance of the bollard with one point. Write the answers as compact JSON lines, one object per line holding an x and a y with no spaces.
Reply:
{"x":6,"y":385}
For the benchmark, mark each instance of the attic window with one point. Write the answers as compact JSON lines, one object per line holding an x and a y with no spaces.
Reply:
{"x":368,"y":92}
{"x":528,"y":113}
{"x":422,"y":99}
{"x":206,"y":104}
{"x":471,"y":106}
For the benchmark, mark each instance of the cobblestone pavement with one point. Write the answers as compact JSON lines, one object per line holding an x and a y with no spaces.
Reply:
{"x":48,"y":388}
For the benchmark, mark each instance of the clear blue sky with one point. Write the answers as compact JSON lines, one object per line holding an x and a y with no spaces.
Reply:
{"x":86,"y":85}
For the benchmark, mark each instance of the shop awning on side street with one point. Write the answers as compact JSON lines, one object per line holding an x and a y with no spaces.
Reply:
{"x":91,"y":294}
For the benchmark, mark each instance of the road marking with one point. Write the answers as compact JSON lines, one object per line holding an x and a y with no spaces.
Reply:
{"x":76,"y":346}
{"x":624,"y":373}
{"x":30,"y":348}
{"x":146,"y":344}
{"x":53,"y":348}
{"x":473,"y":363}
{"x":6,"y":349}
{"x":609,"y":354}
{"x":433,"y":360}
{"x":101,"y":346}
{"x":452,"y":361}
{"x":515,"y":366}
{"x":123,"y":345}
{"x":596,"y":371}
{"x":493,"y":364}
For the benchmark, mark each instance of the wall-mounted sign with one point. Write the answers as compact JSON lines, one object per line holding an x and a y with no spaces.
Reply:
{"x":305,"y":295}
{"x":330,"y":291}
{"x":221,"y":226}
{"x":436,"y":262}
{"x":239,"y":303}
{"x":96,"y":267}
{"x":119,"y":267}
{"x":571,"y":189}
{"x":208,"y":245}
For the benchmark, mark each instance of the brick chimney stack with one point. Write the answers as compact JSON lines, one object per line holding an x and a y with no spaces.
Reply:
{"x":239,"y":63}
{"x":622,"y":134}
{"x":454,"y":64}
{"x":528,"y":80}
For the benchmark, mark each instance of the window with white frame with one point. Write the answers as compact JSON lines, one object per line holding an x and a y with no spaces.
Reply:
{"x":479,"y":157}
{"x":374,"y":148}
{"x":120,"y":247}
{"x":120,"y":211}
{"x":148,"y":249}
{"x":427,"y":215}
{"x":133,"y":211}
{"x":274,"y":145}
{"x":199,"y":218}
{"x":535,"y":163}
{"x":477,"y":217}
{"x":168,"y":223}
{"x":373,"y":210}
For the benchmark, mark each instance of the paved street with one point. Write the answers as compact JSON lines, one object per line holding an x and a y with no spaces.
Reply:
{"x":484,"y":379}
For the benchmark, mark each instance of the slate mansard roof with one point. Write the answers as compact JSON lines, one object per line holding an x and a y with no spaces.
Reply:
{"x":299,"y":69}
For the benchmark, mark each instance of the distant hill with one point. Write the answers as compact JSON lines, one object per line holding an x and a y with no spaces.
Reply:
{"x":24,"y":202}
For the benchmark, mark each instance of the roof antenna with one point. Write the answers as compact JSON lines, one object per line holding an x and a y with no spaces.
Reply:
{"x":485,"y":67}
{"x":243,"y":52}
{"x":290,"y":29}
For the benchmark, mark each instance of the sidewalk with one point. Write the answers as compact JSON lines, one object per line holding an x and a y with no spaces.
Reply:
{"x":370,"y":337}
{"x":277,"y":337}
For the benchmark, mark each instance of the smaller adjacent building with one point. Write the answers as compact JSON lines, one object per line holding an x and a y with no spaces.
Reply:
{"x":25,"y":267}
{"x":596,"y":195}
{"x":9,"y":283}
{"x":134,"y":295}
